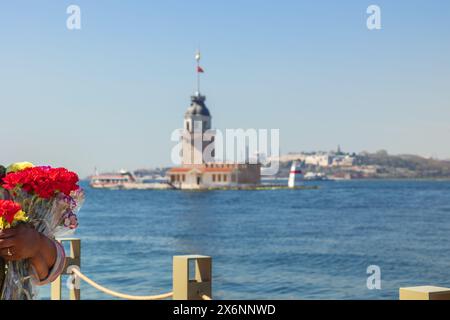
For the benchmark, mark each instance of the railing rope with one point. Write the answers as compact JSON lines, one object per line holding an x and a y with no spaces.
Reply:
{"x":184,"y":288}
{"x":95,"y":285}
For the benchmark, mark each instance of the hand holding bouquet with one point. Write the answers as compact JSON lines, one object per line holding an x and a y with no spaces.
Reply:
{"x":44,"y":198}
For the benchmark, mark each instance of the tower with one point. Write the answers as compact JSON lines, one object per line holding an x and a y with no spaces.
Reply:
{"x":199,"y":167}
{"x":198,"y":138}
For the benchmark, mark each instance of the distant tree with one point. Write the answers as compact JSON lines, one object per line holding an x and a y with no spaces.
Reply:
{"x":382,"y":153}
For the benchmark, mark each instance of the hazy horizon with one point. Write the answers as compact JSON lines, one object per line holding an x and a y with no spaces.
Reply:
{"x":110,"y":95}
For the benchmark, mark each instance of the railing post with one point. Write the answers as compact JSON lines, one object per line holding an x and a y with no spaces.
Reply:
{"x":185,"y":288}
{"x":72,"y":259}
{"x":424,"y":293}
{"x":55,"y":289}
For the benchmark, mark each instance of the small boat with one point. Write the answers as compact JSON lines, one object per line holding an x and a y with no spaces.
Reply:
{"x":312,"y":176}
{"x":112,"y":181}
{"x":125,"y":180}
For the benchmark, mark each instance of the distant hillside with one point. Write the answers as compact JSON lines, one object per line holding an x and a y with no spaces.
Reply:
{"x":408,"y":166}
{"x":381,"y":165}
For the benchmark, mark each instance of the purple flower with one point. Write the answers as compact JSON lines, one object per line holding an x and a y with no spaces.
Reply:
{"x":70,"y":220}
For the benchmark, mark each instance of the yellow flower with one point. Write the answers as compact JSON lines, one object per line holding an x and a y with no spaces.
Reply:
{"x":20,"y":216}
{"x":18,"y":166}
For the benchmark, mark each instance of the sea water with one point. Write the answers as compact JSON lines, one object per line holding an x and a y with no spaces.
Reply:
{"x":271,"y":244}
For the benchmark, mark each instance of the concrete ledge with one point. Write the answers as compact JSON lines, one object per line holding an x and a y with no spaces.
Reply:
{"x":424,"y":293}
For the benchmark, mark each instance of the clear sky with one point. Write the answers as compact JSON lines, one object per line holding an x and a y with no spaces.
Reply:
{"x":110,"y":94}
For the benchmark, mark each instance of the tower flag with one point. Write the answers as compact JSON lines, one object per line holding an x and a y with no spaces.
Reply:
{"x":198,"y":56}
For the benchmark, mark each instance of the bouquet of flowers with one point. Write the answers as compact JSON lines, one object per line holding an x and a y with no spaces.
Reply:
{"x":51,"y":198}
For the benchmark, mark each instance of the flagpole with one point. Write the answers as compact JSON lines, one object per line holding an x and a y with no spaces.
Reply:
{"x":198,"y":76}
{"x":198,"y":57}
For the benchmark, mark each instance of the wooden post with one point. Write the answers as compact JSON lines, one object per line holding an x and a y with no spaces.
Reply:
{"x":55,"y":289}
{"x":424,"y":293}
{"x":185,"y":288}
{"x":72,"y":259}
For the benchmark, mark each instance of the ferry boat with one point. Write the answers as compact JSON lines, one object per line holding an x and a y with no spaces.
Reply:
{"x":313,"y":176}
{"x":124,"y":180}
{"x":112,"y":181}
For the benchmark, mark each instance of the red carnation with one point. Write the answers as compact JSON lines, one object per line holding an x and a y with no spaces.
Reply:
{"x":43,"y":181}
{"x":8,"y":210}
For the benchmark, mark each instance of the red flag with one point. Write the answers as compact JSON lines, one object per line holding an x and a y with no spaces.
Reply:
{"x":200,"y":70}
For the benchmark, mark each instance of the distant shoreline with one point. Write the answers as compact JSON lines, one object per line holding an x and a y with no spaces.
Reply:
{"x":346,"y":180}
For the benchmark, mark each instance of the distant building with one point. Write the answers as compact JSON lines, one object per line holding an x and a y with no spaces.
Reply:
{"x":316,"y":159}
{"x":320,"y":159}
{"x":342,"y":161}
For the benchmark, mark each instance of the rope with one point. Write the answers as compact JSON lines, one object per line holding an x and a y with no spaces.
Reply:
{"x":118,"y":294}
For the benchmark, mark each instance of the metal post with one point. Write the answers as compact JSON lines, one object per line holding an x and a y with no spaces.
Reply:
{"x":185,"y":288}
{"x":72,"y":259}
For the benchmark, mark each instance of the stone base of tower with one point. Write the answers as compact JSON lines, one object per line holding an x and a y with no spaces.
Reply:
{"x":214,"y":175}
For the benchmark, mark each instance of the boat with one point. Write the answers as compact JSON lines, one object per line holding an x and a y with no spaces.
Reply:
{"x":125,"y":180}
{"x":112,"y":180}
{"x":313,"y":176}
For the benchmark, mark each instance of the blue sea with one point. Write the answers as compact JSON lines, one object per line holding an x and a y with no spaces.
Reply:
{"x":274,"y":244}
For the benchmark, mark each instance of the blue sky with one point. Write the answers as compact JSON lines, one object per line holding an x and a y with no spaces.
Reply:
{"x":110,"y":94}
